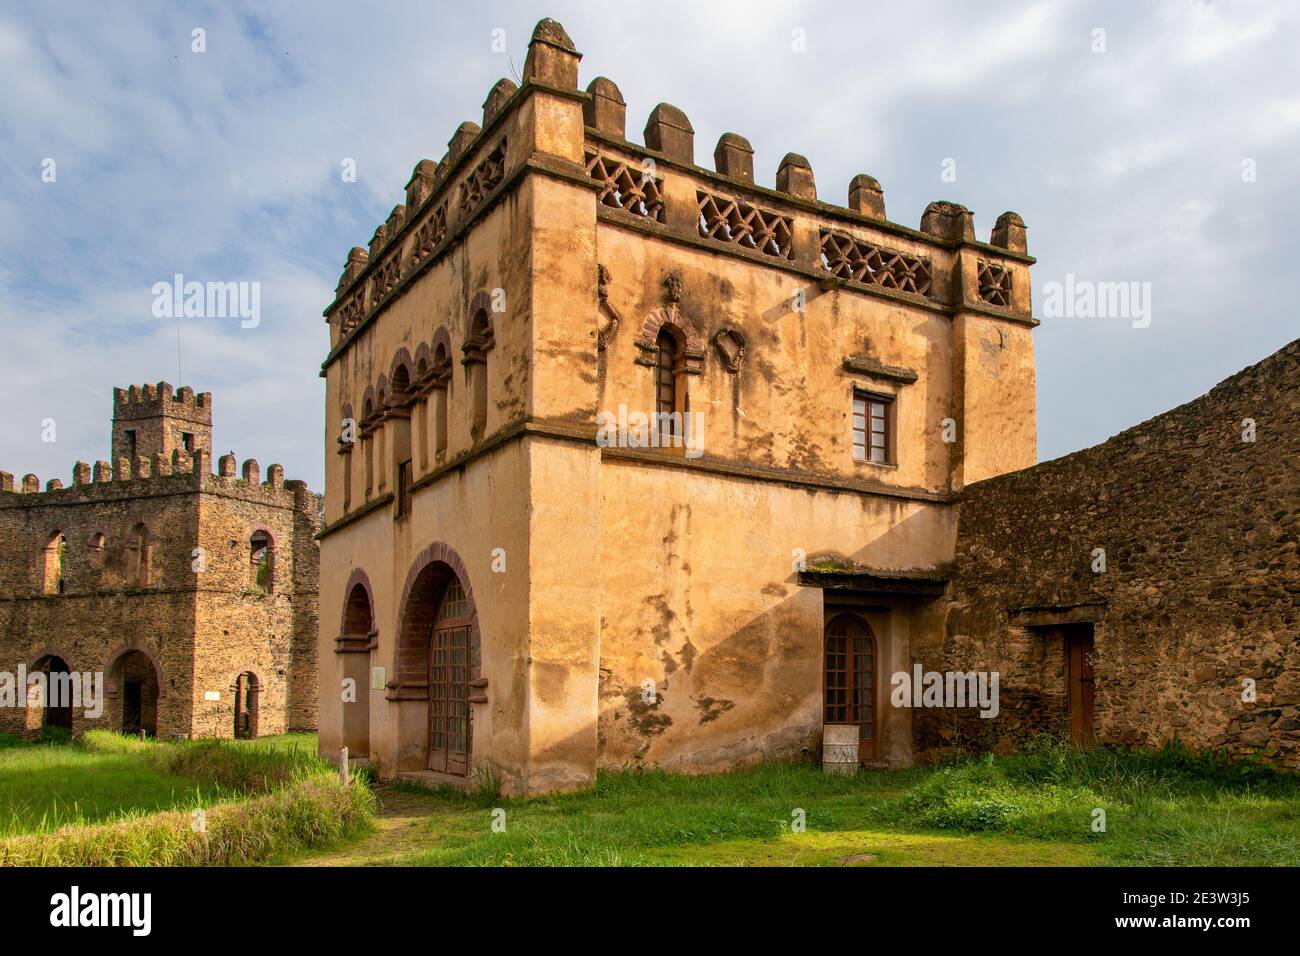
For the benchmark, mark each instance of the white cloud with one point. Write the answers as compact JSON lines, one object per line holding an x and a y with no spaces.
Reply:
{"x":224,"y":165}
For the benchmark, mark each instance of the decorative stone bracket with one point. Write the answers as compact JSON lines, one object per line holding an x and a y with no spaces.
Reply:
{"x":477,"y":346}
{"x":730,"y":343}
{"x":479,"y":685}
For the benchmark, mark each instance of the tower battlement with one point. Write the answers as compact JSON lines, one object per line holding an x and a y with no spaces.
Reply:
{"x":147,"y":401}
{"x":149,"y":420}
{"x":158,"y":432}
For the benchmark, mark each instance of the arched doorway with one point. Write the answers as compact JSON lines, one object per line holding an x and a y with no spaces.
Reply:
{"x":55,"y":698}
{"x":437,"y":662}
{"x":850,"y":680}
{"x":246,"y":706}
{"x":134,"y":675}
{"x":354,"y":647}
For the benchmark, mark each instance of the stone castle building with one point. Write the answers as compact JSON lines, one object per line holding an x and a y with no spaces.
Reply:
{"x":193,"y":594}
{"x":631,"y":460}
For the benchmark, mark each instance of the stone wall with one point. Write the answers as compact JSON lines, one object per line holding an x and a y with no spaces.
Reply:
{"x":1201,"y":589}
{"x":134,"y":579}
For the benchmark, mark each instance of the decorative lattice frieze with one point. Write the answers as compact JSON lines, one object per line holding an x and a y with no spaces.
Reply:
{"x":486,"y":176}
{"x":431,"y":232}
{"x":995,"y":283}
{"x":626,"y":187}
{"x":386,"y":276}
{"x":849,"y":258}
{"x":735,"y":221}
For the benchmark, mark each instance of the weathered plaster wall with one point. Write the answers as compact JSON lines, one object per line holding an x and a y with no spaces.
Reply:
{"x":699,"y":595}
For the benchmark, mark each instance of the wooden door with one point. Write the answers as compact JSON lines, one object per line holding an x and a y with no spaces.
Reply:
{"x":449,"y":732}
{"x":850,"y":679}
{"x":1079,"y":682}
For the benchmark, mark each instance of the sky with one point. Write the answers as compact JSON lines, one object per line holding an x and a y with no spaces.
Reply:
{"x":1154,"y":143}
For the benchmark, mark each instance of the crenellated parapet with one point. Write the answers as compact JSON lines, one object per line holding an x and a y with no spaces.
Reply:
{"x":151,"y":401}
{"x":940,"y":264}
{"x":147,"y":477}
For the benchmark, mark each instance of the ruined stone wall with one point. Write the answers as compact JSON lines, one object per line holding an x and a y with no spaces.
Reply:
{"x":102,"y":612}
{"x":134,"y":579}
{"x":1201,"y":588}
{"x":244,"y":627}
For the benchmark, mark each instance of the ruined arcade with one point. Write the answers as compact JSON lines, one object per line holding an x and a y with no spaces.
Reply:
{"x":192,"y":593}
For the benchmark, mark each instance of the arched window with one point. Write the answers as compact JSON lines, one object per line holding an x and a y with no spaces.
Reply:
{"x":54,"y":564}
{"x":368,"y":446}
{"x":440,"y":361}
{"x":138,"y":548}
{"x":402,"y":459}
{"x":477,"y":345}
{"x":669,"y":400}
{"x":261,"y":562}
{"x":246,"y":700}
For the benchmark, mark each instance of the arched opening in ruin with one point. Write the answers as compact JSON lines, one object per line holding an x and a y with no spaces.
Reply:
{"x":136,"y":678}
{"x":54,"y":564}
{"x":438,"y":658}
{"x":261,"y":562}
{"x":354,"y":648}
{"x":53,"y":696}
{"x":246,"y":694}
{"x":138,"y":558}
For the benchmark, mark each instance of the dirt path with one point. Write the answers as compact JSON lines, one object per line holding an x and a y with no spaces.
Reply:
{"x":402,"y":826}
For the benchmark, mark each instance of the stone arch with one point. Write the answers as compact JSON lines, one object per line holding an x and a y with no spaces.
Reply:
{"x":479,"y":340}
{"x":261,"y":557}
{"x":358,"y":579}
{"x":39,"y":714}
{"x":358,"y":637}
{"x":480,"y":304}
{"x":134,"y":685}
{"x":441,"y":338}
{"x":246,"y":698}
{"x":436,"y":569}
{"x":54,"y":563}
{"x":402,"y":373}
{"x":423,"y":360}
{"x":682,"y":328}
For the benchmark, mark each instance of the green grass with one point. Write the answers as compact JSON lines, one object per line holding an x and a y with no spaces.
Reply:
{"x":109,"y":800}
{"x":1165,"y":808}
{"x":104,"y":776}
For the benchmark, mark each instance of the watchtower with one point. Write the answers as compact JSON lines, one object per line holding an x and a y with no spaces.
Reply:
{"x":154,"y":419}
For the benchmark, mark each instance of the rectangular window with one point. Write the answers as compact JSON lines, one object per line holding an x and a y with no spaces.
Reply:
{"x":187,"y":441}
{"x":871,"y":428}
{"x":405,"y":474}
{"x":131,"y":446}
